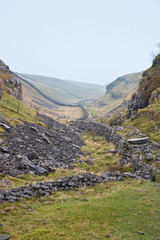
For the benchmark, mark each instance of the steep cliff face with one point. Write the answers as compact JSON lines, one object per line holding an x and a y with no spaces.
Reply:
{"x":9,"y":83}
{"x":150,"y":81}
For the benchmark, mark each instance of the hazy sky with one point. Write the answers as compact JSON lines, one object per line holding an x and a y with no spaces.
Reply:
{"x":84,"y":40}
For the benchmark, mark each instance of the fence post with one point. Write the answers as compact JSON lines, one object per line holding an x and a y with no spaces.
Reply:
{"x":0,"y":95}
{"x":51,"y":124}
{"x":36,"y":117}
{"x":93,"y":134}
{"x":18,"y":106}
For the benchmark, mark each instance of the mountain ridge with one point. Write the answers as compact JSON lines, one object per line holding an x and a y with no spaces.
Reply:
{"x":68,"y":91}
{"x":117,"y":92}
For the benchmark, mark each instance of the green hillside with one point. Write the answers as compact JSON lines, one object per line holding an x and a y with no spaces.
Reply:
{"x":37,"y":101}
{"x":116,"y":92}
{"x":64,"y":90}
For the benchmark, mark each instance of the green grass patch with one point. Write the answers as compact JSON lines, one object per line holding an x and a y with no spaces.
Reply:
{"x":14,"y":110}
{"x":96,"y":150}
{"x":120,"y":209}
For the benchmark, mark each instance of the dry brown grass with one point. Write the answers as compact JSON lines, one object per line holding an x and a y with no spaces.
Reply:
{"x":59,"y":113}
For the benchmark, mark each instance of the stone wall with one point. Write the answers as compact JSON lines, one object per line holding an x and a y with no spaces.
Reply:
{"x":67,"y":183}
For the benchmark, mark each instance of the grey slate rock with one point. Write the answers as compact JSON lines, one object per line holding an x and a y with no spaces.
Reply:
{"x":4,"y":236}
{"x":45,"y":138}
{"x":39,"y":170}
{"x":112,"y":151}
{"x":4,"y":149}
{"x":34,"y":128}
{"x":32,"y":155}
{"x":141,"y":232}
{"x":5,"y":126}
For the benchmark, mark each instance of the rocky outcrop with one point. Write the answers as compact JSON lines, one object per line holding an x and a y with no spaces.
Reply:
{"x":154,"y":96}
{"x":9,"y":82}
{"x":150,"y":81}
{"x":3,"y":67}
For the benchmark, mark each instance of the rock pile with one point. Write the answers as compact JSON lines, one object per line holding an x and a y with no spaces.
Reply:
{"x":33,"y":149}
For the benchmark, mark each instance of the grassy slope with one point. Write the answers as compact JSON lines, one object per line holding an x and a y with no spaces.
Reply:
{"x":64,"y":90}
{"x":118,"y":91}
{"x":8,"y":109}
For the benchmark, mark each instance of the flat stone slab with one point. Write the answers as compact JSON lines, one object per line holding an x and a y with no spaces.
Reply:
{"x":138,"y":140}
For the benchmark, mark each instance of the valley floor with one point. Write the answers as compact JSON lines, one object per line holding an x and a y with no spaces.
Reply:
{"x":127,"y":209}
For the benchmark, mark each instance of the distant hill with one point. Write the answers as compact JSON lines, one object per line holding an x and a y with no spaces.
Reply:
{"x":64,"y":90}
{"x":116,"y":92}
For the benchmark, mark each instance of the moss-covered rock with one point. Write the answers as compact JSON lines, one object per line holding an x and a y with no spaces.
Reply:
{"x":9,"y":82}
{"x":150,"y":81}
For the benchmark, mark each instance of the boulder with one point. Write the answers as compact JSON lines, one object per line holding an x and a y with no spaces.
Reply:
{"x":4,"y":149}
{"x":39,"y":170}
{"x":4,"y":236}
{"x":32,"y":155}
